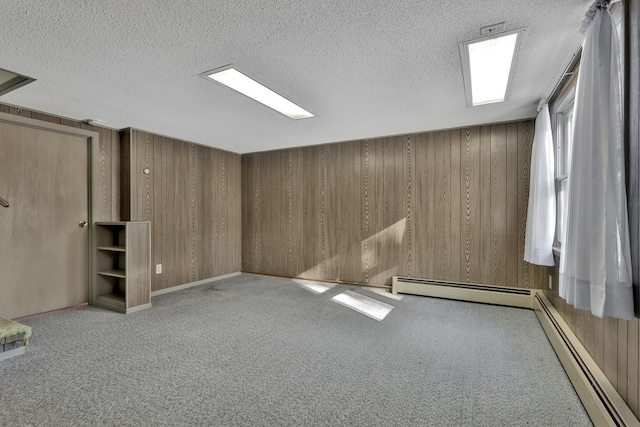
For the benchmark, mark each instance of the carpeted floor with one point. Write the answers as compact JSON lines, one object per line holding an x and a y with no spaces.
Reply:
{"x":263,"y":351}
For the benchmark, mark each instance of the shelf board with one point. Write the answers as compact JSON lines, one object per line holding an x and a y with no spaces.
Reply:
{"x":112,"y":248}
{"x":112,"y":223}
{"x":121,"y":274}
{"x":116,"y":301}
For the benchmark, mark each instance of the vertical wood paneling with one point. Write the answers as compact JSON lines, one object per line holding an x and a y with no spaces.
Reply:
{"x":143,"y":206}
{"x":376,"y":211}
{"x":334,"y":215}
{"x":525,"y":135}
{"x":157,"y":221}
{"x":182,"y":229}
{"x":205,"y":214}
{"x":289,"y":212}
{"x":485,"y":204}
{"x":365,"y":165}
{"x":106,"y":183}
{"x":188,"y":201}
{"x":610,"y":358}
{"x":595,"y":338}
{"x":296,"y":212}
{"x":424,"y":214}
{"x":513,"y":259}
{"x":193,"y":168}
{"x":436,"y":205}
{"x":351,"y":250}
{"x":248,"y":213}
{"x":234,"y":257}
{"x":632,"y":365}
{"x":621,"y":354}
{"x":408,"y":180}
{"x":442,"y":206}
{"x":408,"y":177}
{"x":168,"y":277}
{"x":471,"y":180}
{"x":392,"y":203}
{"x":456,"y":207}
{"x":498,"y":240}
{"x":311,"y":213}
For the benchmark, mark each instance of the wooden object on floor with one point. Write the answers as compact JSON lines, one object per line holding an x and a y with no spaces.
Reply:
{"x":14,"y":338}
{"x":123,"y":266}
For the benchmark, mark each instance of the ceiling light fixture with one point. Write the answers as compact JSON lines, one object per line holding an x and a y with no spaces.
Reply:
{"x":10,"y":81}
{"x":240,"y":82}
{"x":488,"y":66}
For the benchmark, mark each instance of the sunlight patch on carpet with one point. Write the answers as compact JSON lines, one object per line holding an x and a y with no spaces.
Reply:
{"x":315,"y":287}
{"x":365,"y":305}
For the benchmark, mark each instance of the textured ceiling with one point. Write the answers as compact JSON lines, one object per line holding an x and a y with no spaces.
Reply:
{"x":365,"y":68}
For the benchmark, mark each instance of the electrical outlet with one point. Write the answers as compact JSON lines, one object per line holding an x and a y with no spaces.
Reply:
{"x":159,"y":269}
{"x":550,"y":282}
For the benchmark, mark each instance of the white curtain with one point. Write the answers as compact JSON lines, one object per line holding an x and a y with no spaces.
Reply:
{"x":595,"y":262}
{"x":541,"y":224}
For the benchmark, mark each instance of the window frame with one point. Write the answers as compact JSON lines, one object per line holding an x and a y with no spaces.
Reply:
{"x":560,"y":104}
{"x":562,"y":135}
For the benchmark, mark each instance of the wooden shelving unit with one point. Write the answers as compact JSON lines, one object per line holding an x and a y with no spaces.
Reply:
{"x":122,"y":280}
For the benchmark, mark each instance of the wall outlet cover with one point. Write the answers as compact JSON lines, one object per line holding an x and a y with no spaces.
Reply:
{"x":158,"y":268}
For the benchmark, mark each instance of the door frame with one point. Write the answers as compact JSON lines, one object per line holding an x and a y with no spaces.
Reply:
{"x":93,"y":161}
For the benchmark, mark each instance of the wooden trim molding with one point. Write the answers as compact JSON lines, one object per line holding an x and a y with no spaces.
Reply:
{"x":192,"y":284}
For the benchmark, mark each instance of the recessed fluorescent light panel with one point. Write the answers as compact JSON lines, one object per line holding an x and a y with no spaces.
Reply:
{"x":488,"y":65}
{"x":10,"y":81}
{"x":244,"y":84}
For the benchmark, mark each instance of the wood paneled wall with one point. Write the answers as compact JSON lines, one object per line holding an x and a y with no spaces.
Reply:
{"x":109,"y":173}
{"x":191,"y":197}
{"x":448,"y":205}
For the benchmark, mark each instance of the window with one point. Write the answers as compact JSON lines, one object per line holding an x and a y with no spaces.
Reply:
{"x":562,"y":119}
{"x":563,"y":139}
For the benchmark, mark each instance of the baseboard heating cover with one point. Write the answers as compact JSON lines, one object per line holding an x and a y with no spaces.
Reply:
{"x":511,"y":297}
{"x":602,"y":402}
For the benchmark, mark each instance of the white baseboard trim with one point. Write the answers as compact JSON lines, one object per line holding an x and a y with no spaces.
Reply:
{"x":601,"y":400}
{"x":192,"y":284}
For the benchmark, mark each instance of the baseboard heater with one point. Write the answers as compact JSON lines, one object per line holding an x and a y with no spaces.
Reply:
{"x":511,"y":297}
{"x":603,"y":403}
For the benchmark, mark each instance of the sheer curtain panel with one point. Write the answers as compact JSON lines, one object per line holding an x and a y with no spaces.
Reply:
{"x":541,"y":224}
{"x":595,"y":263}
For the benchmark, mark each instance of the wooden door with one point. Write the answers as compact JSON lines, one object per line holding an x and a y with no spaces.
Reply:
{"x":44,"y":253}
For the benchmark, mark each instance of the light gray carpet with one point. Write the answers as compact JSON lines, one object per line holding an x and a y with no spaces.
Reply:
{"x":262,"y":351}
